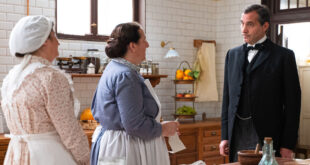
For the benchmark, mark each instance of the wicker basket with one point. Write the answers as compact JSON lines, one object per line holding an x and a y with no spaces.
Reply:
{"x":184,"y":62}
{"x":89,"y":124}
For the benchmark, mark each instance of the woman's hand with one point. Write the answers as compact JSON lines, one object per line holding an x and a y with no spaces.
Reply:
{"x":169,"y":128}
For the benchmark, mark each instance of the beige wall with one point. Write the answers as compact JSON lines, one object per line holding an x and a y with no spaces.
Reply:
{"x":179,"y":21}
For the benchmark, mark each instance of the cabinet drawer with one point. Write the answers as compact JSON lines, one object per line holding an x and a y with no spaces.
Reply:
{"x":187,"y":158}
{"x":210,"y":147}
{"x":215,"y":160}
{"x":212,"y":133}
{"x":211,"y":150}
{"x":211,"y":140}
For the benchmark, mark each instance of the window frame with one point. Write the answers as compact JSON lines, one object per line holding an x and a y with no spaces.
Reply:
{"x":138,"y":16}
{"x":284,"y":16}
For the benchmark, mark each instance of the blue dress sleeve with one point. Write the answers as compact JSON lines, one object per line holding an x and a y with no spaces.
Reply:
{"x":129,"y":97}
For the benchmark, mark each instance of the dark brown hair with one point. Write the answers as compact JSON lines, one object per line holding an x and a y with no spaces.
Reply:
{"x":120,"y":38}
{"x":261,"y":10}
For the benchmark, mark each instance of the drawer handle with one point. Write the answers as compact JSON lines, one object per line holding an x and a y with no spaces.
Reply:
{"x":213,"y":133}
{"x":213,"y":148}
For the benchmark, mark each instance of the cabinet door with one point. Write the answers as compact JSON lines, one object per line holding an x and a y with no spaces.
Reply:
{"x":187,"y":158}
{"x":189,"y":137}
{"x":304,"y":133}
{"x":215,"y":160}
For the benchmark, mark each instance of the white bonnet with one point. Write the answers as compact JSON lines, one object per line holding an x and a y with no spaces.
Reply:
{"x":29,"y":34}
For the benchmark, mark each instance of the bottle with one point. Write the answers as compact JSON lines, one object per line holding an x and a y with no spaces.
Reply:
{"x":268,"y":156}
{"x":91,"y":68}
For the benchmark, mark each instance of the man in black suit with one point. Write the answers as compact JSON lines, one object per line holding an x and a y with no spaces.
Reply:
{"x":261,"y":95}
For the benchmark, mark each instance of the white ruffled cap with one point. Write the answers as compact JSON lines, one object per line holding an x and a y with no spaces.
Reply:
{"x":29,"y":34}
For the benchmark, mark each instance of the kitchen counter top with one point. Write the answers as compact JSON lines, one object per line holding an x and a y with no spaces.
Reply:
{"x":283,"y":161}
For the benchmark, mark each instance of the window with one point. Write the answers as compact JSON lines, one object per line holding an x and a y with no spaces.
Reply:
{"x":94,"y":20}
{"x":286,"y":12}
{"x":289,"y":25}
{"x":292,"y":4}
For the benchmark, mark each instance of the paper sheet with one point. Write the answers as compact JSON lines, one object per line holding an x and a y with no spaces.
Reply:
{"x":175,"y":143}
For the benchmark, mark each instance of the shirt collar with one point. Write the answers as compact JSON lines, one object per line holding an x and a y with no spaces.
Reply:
{"x":259,"y":41}
{"x":127,"y":63}
{"x":40,"y":59}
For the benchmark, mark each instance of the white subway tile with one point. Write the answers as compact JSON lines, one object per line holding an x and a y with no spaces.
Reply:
{"x":35,"y":11}
{"x":20,"y":10}
{"x":2,"y":34}
{"x":49,"y":12}
{"x":42,"y":3}
{"x":13,"y":17}
{"x":15,"y":2}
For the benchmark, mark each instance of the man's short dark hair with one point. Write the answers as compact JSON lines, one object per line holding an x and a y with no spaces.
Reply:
{"x":261,"y":10}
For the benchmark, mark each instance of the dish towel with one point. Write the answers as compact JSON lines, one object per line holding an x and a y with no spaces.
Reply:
{"x":205,"y":85}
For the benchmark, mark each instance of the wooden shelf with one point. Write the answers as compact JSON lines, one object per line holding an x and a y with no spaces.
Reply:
{"x":154,"y":76}
{"x":184,"y":81}
{"x":198,"y":43}
{"x":184,"y":98}
{"x":180,"y":117}
{"x":85,"y":75}
{"x":154,"y":79}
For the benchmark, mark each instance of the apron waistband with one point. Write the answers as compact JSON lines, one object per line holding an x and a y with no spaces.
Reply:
{"x":17,"y":139}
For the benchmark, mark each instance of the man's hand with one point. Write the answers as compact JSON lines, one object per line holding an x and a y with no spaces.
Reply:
{"x":224,"y":148}
{"x":286,"y":153}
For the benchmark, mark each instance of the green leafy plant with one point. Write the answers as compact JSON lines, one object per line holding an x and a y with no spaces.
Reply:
{"x":195,"y":74}
{"x":185,"y":110}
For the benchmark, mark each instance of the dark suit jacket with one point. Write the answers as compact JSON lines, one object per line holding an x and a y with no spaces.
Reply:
{"x":274,"y":94}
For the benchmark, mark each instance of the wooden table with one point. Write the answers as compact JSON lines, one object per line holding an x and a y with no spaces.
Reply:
{"x":280,"y":161}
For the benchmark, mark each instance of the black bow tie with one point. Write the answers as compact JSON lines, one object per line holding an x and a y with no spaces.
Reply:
{"x":256,"y":47}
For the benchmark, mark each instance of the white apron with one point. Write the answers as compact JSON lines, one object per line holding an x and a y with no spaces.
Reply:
{"x":122,"y":149}
{"x":45,"y":148}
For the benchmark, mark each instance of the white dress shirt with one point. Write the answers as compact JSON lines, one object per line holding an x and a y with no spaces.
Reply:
{"x":252,"y":53}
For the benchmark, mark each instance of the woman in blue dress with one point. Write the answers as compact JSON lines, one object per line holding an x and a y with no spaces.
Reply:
{"x":127,"y":107}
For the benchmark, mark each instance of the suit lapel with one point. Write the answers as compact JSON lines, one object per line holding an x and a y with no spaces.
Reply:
{"x":262,"y":56}
{"x":241,"y":59}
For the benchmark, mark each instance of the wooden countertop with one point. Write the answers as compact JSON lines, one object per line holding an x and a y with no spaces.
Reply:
{"x":280,"y":161}
{"x":208,"y":122}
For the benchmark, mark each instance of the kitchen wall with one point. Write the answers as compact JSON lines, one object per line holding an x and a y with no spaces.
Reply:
{"x":179,"y":21}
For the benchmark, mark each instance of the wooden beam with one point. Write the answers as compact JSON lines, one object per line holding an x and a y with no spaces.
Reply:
{"x":198,"y":43}
{"x":27,"y":7}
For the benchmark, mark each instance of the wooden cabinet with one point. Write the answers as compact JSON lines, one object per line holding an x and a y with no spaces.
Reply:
{"x":202,"y":143}
{"x":200,"y":138}
{"x":4,"y":143}
{"x":304,"y":133}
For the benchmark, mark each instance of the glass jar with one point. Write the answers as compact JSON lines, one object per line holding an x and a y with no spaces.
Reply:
{"x":149,"y":67}
{"x":155,"y":68}
{"x":144,"y":68}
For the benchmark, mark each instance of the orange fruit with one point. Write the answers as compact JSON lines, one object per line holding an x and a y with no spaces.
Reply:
{"x":87,"y":115}
{"x":179,"y":74}
{"x":186,"y":78}
{"x":187,"y":71}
